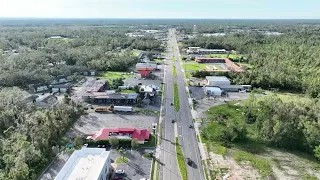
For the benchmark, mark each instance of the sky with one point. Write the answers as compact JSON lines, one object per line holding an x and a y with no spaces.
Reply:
{"x":208,"y":9}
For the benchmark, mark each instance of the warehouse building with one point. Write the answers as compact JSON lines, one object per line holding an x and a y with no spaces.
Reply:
{"x":217,"y":80}
{"x":213,"y":91}
{"x":87,"y":164}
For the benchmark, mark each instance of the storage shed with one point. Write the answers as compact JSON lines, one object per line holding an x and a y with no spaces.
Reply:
{"x":217,"y":80}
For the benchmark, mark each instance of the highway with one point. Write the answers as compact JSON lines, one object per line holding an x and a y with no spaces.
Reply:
{"x":187,"y":135}
{"x":169,"y":170}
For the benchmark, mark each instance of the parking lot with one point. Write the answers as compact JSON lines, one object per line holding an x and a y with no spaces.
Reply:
{"x":137,"y":168}
{"x":93,"y":122}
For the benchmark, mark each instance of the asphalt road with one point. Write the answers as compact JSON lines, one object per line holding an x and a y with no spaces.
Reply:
{"x":187,"y":136}
{"x":169,"y":169}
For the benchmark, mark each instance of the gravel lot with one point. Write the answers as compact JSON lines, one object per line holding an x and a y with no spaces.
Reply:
{"x":93,"y":122}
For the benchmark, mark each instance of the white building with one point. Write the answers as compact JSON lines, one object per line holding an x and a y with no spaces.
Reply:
{"x":213,"y":91}
{"x":217,"y":80}
{"x":86,"y":164}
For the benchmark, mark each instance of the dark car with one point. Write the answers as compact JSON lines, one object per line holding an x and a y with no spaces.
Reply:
{"x":189,"y":161}
{"x":171,"y":104}
{"x":173,"y":121}
{"x":190,"y":126}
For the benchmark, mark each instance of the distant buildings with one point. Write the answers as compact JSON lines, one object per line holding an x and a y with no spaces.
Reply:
{"x":231,"y":65}
{"x":198,"y":50}
{"x":86,"y":164}
{"x":141,"y":135}
{"x":110,"y":98}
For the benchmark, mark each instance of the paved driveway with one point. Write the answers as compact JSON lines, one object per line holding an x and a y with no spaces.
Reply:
{"x":138,"y":167}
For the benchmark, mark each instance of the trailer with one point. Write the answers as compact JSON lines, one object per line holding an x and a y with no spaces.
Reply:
{"x":101,"y":109}
{"x":122,"y":108}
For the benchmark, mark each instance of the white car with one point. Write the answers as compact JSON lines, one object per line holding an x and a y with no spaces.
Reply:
{"x":144,"y":179}
{"x":119,"y":171}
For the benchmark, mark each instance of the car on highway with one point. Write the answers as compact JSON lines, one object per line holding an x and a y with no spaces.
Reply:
{"x":171,"y":104}
{"x":119,"y":171}
{"x":173,"y":121}
{"x":189,"y":161}
{"x":190,"y":126}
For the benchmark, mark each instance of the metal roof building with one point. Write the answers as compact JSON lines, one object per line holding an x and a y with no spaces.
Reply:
{"x":86,"y":164}
{"x":217,"y":80}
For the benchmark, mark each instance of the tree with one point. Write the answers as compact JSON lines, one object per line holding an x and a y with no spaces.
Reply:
{"x":78,"y":142}
{"x":134,"y":143}
{"x":114,"y":141}
{"x":122,"y":152}
{"x":317,"y":152}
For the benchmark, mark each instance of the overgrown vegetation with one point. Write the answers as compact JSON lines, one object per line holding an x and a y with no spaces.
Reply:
{"x":29,"y":136}
{"x":181,"y":160}
{"x":176,"y":101}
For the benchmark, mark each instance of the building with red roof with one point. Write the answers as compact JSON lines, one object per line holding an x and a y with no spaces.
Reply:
{"x":141,"y":135}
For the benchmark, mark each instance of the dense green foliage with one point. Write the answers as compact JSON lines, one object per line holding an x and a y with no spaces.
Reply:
{"x":269,"y":120}
{"x":28,"y":134}
{"x":39,"y":57}
{"x":288,"y":61}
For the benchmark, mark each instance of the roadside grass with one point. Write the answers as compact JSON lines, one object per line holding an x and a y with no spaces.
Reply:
{"x":181,"y":161}
{"x":135,"y":53}
{"x":121,"y":160}
{"x":230,"y":56}
{"x":289,"y":97}
{"x":215,"y":147}
{"x":158,"y":169}
{"x":262,"y":165}
{"x":127,"y":91}
{"x":194,"y":67}
{"x":114,"y":75}
{"x":173,"y":60}
{"x":174,"y":71}
{"x":158,"y":60}
{"x":205,"y":170}
{"x":151,"y":143}
{"x":187,"y":74}
{"x":152,"y":168}
{"x":176,"y":101}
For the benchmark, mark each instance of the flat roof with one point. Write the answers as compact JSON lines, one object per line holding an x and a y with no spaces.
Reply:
{"x":84,"y":164}
{"x":217,"y":78}
{"x":213,"y":89}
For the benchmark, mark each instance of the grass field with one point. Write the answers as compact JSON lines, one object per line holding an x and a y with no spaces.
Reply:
{"x":176,"y":97}
{"x":174,"y":71}
{"x":194,"y":67}
{"x":114,"y":75}
{"x":135,"y":53}
{"x":231,"y":56}
{"x":181,"y":162}
{"x":127,"y":91}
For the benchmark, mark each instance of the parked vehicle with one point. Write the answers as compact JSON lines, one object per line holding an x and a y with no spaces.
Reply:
{"x":119,"y":171}
{"x":189,"y":161}
{"x":173,"y":121}
{"x":123,"y":108}
{"x":101,"y":109}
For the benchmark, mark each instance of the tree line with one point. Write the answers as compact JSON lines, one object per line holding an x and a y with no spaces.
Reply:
{"x":39,"y":58}
{"x":29,"y":135}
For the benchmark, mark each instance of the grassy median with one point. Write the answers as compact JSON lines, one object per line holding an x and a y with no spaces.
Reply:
{"x":174,"y":71}
{"x":176,"y":97}
{"x":181,"y":162}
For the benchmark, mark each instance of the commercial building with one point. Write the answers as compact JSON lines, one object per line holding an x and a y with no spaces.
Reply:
{"x":141,"y":135}
{"x":145,"y":69}
{"x":217,"y":80}
{"x":86,"y":164}
{"x":231,"y":65}
{"x":192,"y":50}
{"x":36,"y":88}
{"x":107,"y":98}
{"x":149,"y":89}
{"x":213,"y":91}
{"x":212,"y":51}
{"x":60,"y":88}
